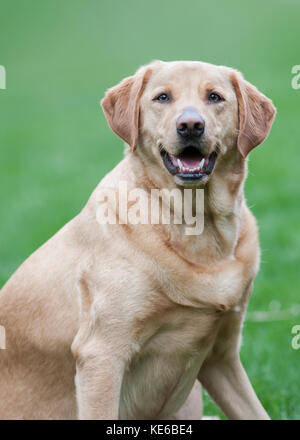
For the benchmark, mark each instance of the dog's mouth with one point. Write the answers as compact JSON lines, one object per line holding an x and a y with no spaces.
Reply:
{"x":190,"y":164}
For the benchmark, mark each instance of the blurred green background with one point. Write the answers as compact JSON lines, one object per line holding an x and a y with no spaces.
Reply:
{"x":61,"y":56}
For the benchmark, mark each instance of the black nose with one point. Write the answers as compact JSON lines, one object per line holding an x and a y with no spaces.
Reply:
{"x":190,"y":123}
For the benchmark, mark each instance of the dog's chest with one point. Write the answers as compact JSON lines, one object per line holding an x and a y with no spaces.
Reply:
{"x":164,"y":369}
{"x":177,"y":310}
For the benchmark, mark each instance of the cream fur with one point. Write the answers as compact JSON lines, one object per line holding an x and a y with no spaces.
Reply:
{"x":139,"y":314}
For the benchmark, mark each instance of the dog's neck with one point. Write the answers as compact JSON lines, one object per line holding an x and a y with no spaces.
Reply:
{"x":223,"y":208}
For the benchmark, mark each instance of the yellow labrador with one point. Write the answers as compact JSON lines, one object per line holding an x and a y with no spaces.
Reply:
{"x":125,"y":320}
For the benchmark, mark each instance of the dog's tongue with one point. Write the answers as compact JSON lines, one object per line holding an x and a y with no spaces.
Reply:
{"x":190,"y":159}
{"x":190,"y":163}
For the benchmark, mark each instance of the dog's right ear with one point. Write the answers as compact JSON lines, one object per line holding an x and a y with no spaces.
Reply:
{"x":256,"y":114}
{"x":121,"y":106}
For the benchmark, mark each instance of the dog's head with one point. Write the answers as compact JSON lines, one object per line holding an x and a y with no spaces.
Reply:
{"x":185,"y":116}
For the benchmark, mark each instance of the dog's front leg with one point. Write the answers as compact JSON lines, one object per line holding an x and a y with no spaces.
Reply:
{"x":228,"y":384}
{"x":98,"y":382}
{"x":99,"y":349}
{"x":223,"y":375}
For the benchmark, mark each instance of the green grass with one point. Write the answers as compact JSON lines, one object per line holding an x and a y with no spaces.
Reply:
{"x":62,"y":55}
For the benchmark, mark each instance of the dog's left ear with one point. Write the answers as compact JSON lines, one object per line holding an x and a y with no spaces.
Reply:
{"x":121,"y":106}
{"x":256,"y":114}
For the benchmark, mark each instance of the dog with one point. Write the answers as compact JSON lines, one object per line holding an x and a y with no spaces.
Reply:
{"x":129,"y":321}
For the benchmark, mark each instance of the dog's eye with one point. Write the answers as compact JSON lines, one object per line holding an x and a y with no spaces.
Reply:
{"x":214,"y":97}
{"x":162,"y":98}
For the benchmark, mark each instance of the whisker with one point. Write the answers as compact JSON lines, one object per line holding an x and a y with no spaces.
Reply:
{"x":160,"y":146}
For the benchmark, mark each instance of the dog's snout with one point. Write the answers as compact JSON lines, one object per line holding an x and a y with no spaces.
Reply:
{"x":190,"y":123}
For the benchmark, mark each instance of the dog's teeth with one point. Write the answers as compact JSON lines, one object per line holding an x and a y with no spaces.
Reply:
{"x":201,"y":163}
{"x":190,"y":170}
{"x":180,"y":164}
